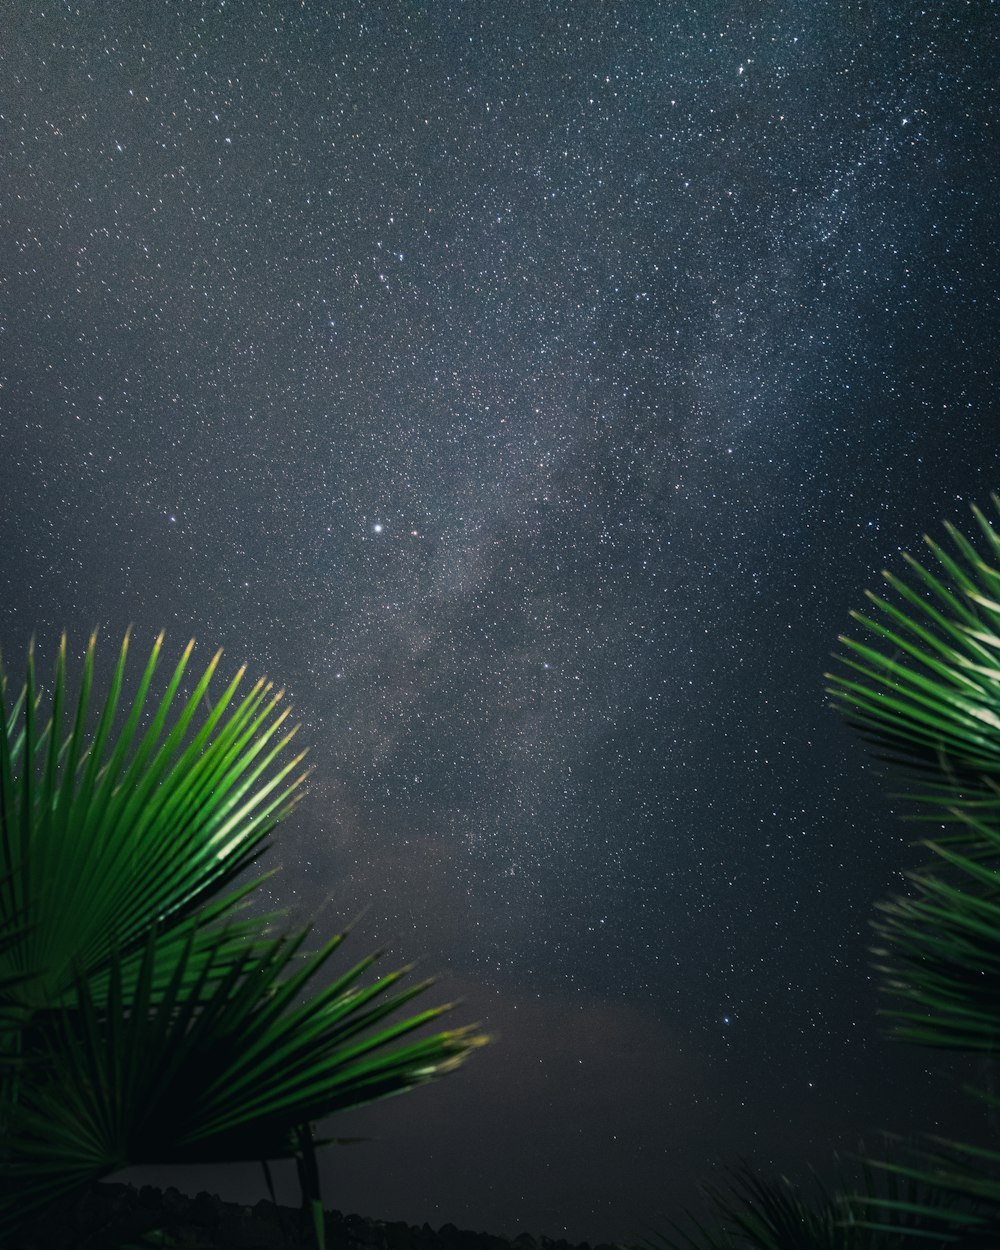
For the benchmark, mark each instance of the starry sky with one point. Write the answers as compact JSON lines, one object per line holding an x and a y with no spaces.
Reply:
{"x":531,"y":389}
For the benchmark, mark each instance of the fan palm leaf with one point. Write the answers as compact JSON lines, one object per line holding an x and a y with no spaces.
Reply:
{"x":924,"y":690}
{"x":141,"y":1020}
{"x":923,"y":685}
{"x":933,"y":707}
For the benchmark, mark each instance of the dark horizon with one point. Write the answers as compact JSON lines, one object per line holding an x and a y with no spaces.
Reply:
{"x":532,"y":391}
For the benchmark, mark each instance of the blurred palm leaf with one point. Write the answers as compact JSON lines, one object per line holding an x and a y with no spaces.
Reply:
{"x":757,"y":1213}
{"x":141,"y":1022}
{"x":941,"y":954}
{"x":960,"y":1205}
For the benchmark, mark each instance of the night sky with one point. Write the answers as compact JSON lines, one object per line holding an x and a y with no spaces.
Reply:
{"x":530,"y":388}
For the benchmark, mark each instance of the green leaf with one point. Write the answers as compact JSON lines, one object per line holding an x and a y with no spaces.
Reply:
{"x":141,"y":1019}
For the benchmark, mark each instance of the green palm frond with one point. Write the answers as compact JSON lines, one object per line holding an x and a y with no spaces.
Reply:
{"x":922,"y":685}
{"x":141,"y":1021}
{"x":925,"y":689}
{"x":956,"y":1201}
{"x":132,"y":1083}
{"x":114,"y":831}
{"x":941,"y":954}
{"x":933,"y":703}
{"x":758,"y":1213}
